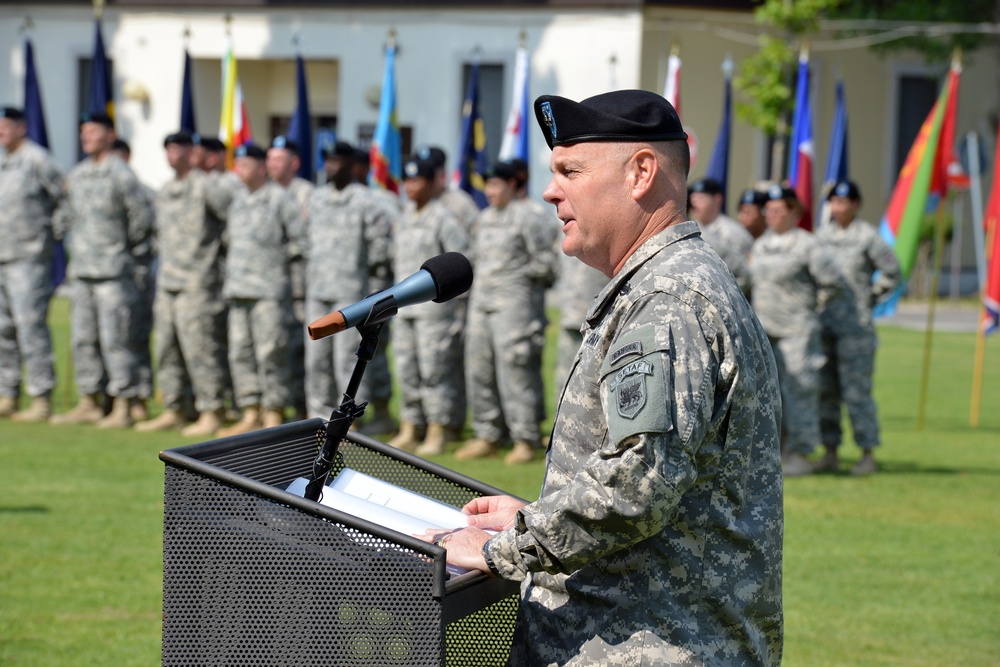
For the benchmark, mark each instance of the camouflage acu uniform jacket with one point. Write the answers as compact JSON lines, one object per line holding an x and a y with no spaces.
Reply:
{"x":302,"y":191}
{"x":31,"y":188}
{"x":657,"y":538}
{"x":421,"y":235}
{"x":733,"y":244}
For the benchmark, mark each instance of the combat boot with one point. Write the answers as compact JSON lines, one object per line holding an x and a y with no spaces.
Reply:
{"x":435,"y":441}
{"x":866,"y":466}
{"x":829,"y":462}
{"x":250,"y":421}
{"x":209,"y":421}
{"x":8,"y":405}
{"x":40,"y":410}
{"x":120,"y":415}
{"x":273,"y":418}
{"x":408,"y":437}
{"x":168,"y":419}
{"x":381,"y":421}
{"x":795,"y":465}
{"x":87,"y":411}
{"x":523,"y":452}
{"x":137,"y":409}
{"x":477,"y":448}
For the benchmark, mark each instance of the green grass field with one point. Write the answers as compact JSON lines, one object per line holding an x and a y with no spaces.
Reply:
{"x":898,"y":569}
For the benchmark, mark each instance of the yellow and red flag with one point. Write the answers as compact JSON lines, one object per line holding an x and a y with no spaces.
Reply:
{"x":234,"y":123}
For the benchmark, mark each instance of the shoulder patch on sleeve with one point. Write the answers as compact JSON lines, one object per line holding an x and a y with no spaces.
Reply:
{"x":636,"y":387}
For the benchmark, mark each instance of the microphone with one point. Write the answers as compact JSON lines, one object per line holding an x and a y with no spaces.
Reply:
{"x":439,"y":279}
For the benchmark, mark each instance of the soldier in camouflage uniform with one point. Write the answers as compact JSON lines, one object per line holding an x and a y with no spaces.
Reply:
{"x":31,"y":188}
{"x":657,"y":538}
{"x":849,"y":339}
{"x":724,"y":234}
{"x":751,"y":214}
{"x":108,"y":217}
{"x":578,"y":285}
{"x":793,"y":277}
{"x":425,"y":336}
{"x":189,"y":311}
{"x":265,"y":227}
{"x":513,"y":250}
{"x":283,"y":162}
{"x":348,"y":238}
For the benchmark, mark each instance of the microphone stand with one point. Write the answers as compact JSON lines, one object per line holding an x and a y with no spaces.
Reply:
{"x":344,"y":415}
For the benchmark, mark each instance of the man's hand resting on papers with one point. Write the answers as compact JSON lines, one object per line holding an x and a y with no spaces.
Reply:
{"x":465,"y":546}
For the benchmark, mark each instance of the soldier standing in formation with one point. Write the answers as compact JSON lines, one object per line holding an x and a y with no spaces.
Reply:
{"x":793,"y":277}
{"x":751,"y":214}
{"x":724,"y":234}
{"x":514,"y":254}
{"x":265,"y":224}
{"x":579,"y":284}
{"x":849,"y":338}
{"x":31,"y":188}
{"x":425,"y":336}
{"x":189,"y":311}
{"x":108,"y":216}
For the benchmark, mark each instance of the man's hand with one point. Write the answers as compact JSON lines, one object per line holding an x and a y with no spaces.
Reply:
{"x":493,"y":512}
{"x":464,"y":546}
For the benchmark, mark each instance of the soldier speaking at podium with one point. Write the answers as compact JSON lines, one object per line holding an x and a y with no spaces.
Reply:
{"x":657,"y":536}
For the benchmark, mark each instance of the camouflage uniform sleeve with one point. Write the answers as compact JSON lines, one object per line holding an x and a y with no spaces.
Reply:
{"x":825,"y":273}
{"x":884,"y":259}
{"x":378,"y":225}
{"x":540,"y":234}
{"x":454,"y":237}
{"x":62,"y":217}
{"x":291,"y":217}
{"x":50,"y":177}
{"x":218,"y":197}
{"x":138,"y":208}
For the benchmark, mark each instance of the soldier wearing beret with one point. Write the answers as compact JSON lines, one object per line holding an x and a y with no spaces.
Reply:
{"x":751,"y":212}
{"x":727,"y":236}
{"x":658,"y":534}
{"x":31,"y":188}
{"x":109,"y":217}
{"x":849,"y":339}
{"x":793,"y":277}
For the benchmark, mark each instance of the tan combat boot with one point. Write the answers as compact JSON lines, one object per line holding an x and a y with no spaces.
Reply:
{"x":87,"y":411}
{"x":120,"y":415}
{"x":408,"y":437}
{"x":250,"y":421}
{"x":829,"y":461}
{"x":168,"y":419}
{"x":523,"y":452}
{"x":138,"y":410}
{"x":273,"y":418}
{"x":209,"y":421}
{"x":8,"y":406}
{"x":40,"y":410}
{"x":477,"y":448}
{"x":435,"y":441}
{"x":381,"y":421}
{"x":795,"y":464}
{"x":866,"y":466}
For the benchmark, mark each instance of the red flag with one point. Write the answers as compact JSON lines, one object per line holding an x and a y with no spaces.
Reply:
{"x":991,"y":290}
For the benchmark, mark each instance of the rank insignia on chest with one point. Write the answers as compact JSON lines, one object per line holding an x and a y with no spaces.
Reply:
{"x":629,"y":388}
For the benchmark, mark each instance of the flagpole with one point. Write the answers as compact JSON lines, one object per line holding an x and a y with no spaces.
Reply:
{"x":975,"y":172}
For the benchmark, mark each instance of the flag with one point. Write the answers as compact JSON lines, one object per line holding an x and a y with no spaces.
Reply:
{"x":991,"y":290}
{"x":187,"y":97}
{"x":718,"y":164}
{"x":470,"y":170}
{"x":300,"y":127}
{"x":836,"y":161}
{"x":234,"y":123}
{"x":99,"y":98}
{"x":386,"y":151}
{"x":672,"y":86}
{"x":515,"y":135}
{"x":800,"y":161}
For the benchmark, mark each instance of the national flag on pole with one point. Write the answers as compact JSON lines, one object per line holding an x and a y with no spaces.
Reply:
{"x":99,"y":99}
{"x":991,"y":289}
{"x":515,"y":135}
{"x":718,"y":164}
{"x":672,"y":86}
{"x":300,"y":127}
{"x":386,"y":151}
{"x":234,"y":123}
{"x":472,"y":165}
{"x":187,"y":96}
{"x":800,"y":164}
{"x":836,"y":159}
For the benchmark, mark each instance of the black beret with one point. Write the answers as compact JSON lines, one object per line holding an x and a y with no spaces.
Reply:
{"x":120,"y":144}
{"x":779,"y":191}
{"x":281,"y":141}
{"x":414,"y":167}
{"x":505,"y":169}
{"x":755,"y":197}
{"x":250,"y":150}
{"x":622,"y":115}
{"x":845,"y":189}
{"x":13,"y":113}
{"x":97,"y":117}
{"x":340,"y":149}
{"x":709,"y":186}
{"x":210,"y":144}
{"x":182,"y":138}
{"x":433,"y":154}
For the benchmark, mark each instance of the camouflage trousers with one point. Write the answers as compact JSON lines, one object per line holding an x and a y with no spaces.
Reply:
{"x":103,"y":319}
{"x":427,"y":353}
{"x":297,"y":353}
{"x":799,"y":359}
{"x":25,"y":290}
{"x":258,"y":352}
{"x":503,"y":364}
{"x":846,"y":379}
{"x":330,"y":362}
{"x":191,"y":348}
{"x":142,"y":330}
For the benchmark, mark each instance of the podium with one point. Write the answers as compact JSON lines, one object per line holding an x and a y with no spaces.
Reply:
{"x":253,"y":575}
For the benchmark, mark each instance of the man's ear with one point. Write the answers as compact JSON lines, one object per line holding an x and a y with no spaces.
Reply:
{"x":642,"y":170}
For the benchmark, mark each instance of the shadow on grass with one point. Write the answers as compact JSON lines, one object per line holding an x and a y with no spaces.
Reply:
{"x":910,"y":468}
{"x":25,"y":509}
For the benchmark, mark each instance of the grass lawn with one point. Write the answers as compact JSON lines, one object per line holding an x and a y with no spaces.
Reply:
{"x":898,"y":569}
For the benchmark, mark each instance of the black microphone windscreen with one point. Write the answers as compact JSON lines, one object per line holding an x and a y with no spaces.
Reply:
{"x":452,"y":274}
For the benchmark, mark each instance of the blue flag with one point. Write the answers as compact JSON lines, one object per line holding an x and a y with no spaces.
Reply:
{"x":187,"y":97}
{"x":99,"y":99}
{"x":470,"y":171}
{"x":718,"y":164}
{"x":300,"y":127}
{"x":836,"y":163}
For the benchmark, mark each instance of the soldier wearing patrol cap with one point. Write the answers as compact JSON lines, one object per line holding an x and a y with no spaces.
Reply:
{"x":751,"y":212}
{"x":426,"y":338}
{"x":849,"y":338}
{"x":724,"y":234}
{"x":657,"y":536}
{"x":793,"y":277}
{"x":31,"y":188}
